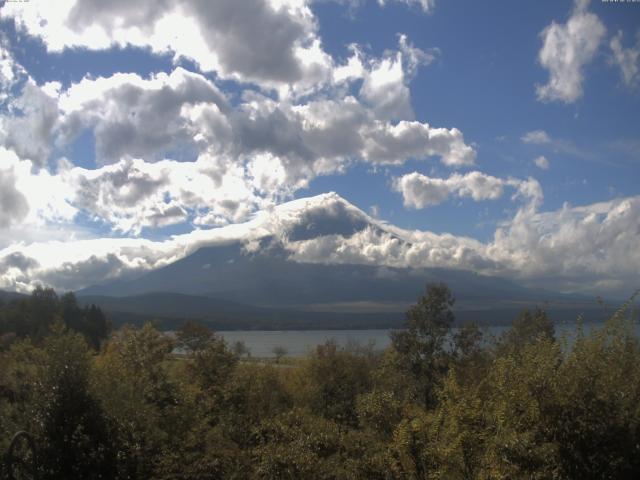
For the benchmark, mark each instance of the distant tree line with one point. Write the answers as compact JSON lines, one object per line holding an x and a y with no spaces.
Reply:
{"x":437,"y":404}
{"x":34,"y":316}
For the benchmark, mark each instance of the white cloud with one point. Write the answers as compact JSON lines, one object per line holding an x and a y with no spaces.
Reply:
{"x":46,"y":195}
{"x":588,"y":248}
{"x":385,"y":86}
{"x":566,"y":50}
{"x":573,"y":248}
{"x":127,"y":196}
{"x":135,"y":117}
{"x":536,"y":136}
{"x":29,"y":126}
{"x":10,"y":71}
{"x":559,"y":145}
{"x":273,"y":43}
{"x":426,"y":5}
{"x":243,"y":154}
{"x":415,"y":57}
{"x":541,"y":162}
{"x":392,"y":144}
{"x":627,"y":59}
{"x":384,"y":89}
{"x":256,"y":154}
{"x":421,"y":191}
{"x":258,"y":151}
{"x":133,"y":194}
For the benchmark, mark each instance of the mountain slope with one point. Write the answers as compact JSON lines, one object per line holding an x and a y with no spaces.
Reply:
{"x":254,"y":270}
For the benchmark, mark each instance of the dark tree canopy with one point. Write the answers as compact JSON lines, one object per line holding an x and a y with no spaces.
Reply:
{"x":34,"y":317}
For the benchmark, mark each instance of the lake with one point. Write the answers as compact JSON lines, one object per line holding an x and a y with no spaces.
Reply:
{"x":301,"y":342}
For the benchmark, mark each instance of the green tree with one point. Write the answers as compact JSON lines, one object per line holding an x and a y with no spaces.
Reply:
{"x":193,"y":336}
{"x":90,"y":321}
{"x":332,"y":378}
{"x":72,"y":433}
{"x":422,"y":344}
{"x":530,"y":327}
{"x":144,"y":405}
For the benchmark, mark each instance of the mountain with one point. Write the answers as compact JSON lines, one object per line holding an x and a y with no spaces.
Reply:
{"x":252,"y":278}
{"x":170,"y":310}
{"x":8,"y":296}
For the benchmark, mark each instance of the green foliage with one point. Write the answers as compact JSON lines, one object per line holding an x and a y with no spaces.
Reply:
{"x":332,"y":378}
{"x":193,"y":337}
{"x":439,"y":403}
{"x":70,"y":426}
{"x":528,"y":328}
{"x":421,"y":345}
{"x":140,"y":399}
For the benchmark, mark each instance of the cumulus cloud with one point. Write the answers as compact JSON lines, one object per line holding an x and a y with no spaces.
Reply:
{"x":10,"y":71}
{"x":250,"y":156}
{"x":29,"y":126}
{"x":240,"y":155}
{"x":13,"y":204}
{"x":385,"y":82}
{"x":573,"y":248}
{"x":29,"y":112}
{"x":133,"y":194}
{"x":626,"y":59}
{"x":135,"y":117}
{"x":32,"y":198}
{"x":566,"y":50}
{"x":127,"y":196}
{"x":273,"y":43}
{"x":75,"y":263}
{"x":394,"y":143}
{"x":541,"y":162}
{"x":421,"y":191}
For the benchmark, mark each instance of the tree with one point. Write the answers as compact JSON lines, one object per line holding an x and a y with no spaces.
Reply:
{"x":34,"y":316}
{"x":193,"y":336}
{"x":240,"y":349}
{"x":89,"y":321}
{"x":73,"y":437}
{"x":279,"y":351}
{"x":529,"y":327}
{"x":143,"y":404}
{"x":332,"y":378}
{"x":421,"y":345}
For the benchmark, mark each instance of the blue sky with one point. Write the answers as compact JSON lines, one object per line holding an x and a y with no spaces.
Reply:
{"x":452,"y":117}
{"x":483,"y":83}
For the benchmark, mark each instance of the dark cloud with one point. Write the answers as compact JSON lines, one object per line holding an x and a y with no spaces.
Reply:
{"x":139,"y":119}
{"x":29,"y":129}
{"x":17,"y":260}
{"x":13,"y":204}
{"x":250,"y":39}
{"x":73,"y":275}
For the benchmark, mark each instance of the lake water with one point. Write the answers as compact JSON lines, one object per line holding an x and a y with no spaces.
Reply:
{"x":299,"y":343}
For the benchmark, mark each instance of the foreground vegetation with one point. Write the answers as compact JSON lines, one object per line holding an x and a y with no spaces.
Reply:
{"x":435,"y":404}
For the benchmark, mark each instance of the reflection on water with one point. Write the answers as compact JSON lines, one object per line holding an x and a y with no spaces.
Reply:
{"x":299,"y":343}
